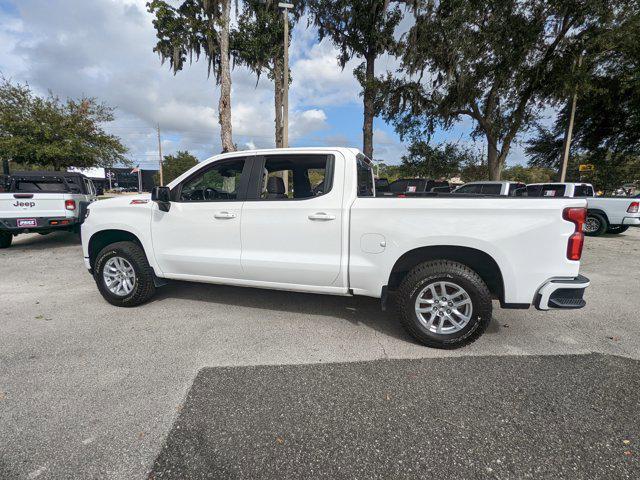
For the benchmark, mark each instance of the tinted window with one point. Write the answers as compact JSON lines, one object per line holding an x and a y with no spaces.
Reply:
{"x":35,"y":185}
{"x":398,"y":186}
{"x":491,"y":189}
{"x":534,"y":190}
{"x":553,"y":190}
{"x":517,"y":189}
{"x":365,"y":179}
{"x":583,"y":191}
{"x":216,"y":183}
{"x":469,"y":189}
{"x":548,"y":190}
{"x":287,"y":177}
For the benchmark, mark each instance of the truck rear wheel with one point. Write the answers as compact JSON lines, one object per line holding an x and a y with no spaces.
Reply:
{"x":595,"y":224}
{"x":5,"y":239}
{"x":123,"y":274}
{"x":444,"y":304}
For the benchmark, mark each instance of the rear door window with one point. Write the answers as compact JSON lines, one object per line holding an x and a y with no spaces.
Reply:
{"x":287,"y":177}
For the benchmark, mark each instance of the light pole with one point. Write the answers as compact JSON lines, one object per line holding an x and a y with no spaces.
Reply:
{"x":285,"y":76}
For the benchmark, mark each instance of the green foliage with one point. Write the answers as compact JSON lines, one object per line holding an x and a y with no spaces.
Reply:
{"x":606,"y":130}
{"x":443,"y":161}
{"x":175,"y":165}
{"x":257,"y":39}
{"x":495,"y":61}
{"x":520,"y":173}
{"x":188,"y":30}
{"x":361,"y":29}
{"x":52,"y":133}
{"x":390,"y":172}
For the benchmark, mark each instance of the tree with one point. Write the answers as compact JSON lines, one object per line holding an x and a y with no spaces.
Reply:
{"x":363,"y":29}
{"x":443,"y":161}
{"x":520,"y":173}
{"x":194,"y":28}
{"x":175,"y":165}
{"x":257,"y":43}
{"x":606,"y":130}
{"x":52,"y":133}
{"x":494,"y":61}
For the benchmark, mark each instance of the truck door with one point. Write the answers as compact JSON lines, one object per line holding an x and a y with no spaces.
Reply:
{"x":292,"y":220}
{"x":200,"y":234}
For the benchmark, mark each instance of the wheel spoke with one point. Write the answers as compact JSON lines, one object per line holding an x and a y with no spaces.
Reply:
{"x":119,"y":276}
{"x":443,"y":307}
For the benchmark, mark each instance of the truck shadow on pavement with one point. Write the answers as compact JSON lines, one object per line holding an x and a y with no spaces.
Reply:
{"x":35,"y":241}
{"x":355,"y":310}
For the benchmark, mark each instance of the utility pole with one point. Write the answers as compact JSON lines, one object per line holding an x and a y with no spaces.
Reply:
{"x":566,"y":147}
{"x":160,"y":156}
{"x":285,"y":87}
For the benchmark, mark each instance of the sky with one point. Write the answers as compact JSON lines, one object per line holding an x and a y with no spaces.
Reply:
{"x":104,"y":49}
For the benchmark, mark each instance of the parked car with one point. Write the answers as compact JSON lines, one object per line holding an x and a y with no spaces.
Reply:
{"x":43,"y":202}
{"x":604,"y":214}
{"x":505,"y":189}
{"x":442,"y":258}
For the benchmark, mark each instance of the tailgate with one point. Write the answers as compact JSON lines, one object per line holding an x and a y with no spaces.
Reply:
{"x":31,"y":205}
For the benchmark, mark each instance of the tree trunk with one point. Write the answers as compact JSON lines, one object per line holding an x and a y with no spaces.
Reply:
{"x":369,"y":113}
{"x":277,"y":86}
{"x":224,"y":106}
{"x":493,"y":160}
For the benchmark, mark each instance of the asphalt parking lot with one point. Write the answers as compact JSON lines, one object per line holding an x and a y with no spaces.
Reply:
{"x":223,"y":382}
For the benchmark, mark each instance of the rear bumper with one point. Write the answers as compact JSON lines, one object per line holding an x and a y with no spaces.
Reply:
{"x":43,"y":224}
{"x":562,"y":293}
{"x":632,"y":221}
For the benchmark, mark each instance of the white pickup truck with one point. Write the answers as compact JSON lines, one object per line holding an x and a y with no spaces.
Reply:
{"x":604,"y":214}
{"x":233,"y":219}
{"x":43,"y":202}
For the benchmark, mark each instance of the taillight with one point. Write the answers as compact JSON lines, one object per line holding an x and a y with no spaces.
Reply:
{"x":70,"y":204}
{"x":633,"y":208}
{"x":577,"y":216}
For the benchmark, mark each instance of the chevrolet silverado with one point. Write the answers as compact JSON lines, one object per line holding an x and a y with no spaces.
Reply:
{"x":309,"y":220}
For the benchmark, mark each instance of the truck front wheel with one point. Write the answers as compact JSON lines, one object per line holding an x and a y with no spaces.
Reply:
{"x":444,"y":304}
{"x":123,"y":274}
{"x":5,"y":239}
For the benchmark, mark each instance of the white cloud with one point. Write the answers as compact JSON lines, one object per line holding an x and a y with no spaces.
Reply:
{"x":104,"y":49}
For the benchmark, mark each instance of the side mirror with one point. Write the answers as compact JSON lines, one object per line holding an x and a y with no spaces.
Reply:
{"x":162,"y":196}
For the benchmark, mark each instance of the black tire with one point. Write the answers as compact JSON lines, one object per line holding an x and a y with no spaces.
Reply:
{"x":598,"y":224}
{"x":143,"y":288}
{"x":456,"y":273}
{"x":615,"y":229}
{"x":5,"y":239}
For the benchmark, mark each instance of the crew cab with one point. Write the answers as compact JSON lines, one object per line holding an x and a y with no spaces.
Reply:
{"x":503,"y":188}
{"x":258,"y":219}
{"x":604,"y":214}
{"x":43,"y":202}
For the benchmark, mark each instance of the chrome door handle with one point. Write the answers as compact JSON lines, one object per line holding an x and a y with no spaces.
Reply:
{"x":224,"y":215}
{"x":321,"y":216}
